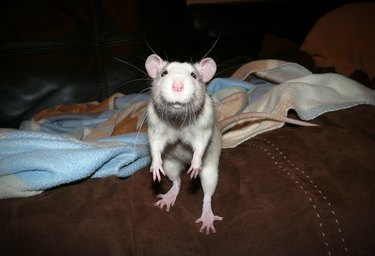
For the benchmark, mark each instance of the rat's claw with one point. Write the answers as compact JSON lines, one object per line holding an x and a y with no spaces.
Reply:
{"x":208,"y":225}
{"x":208,"y":229}
{"x":161,"y":203}
{"x":207,"y":220}
{"x":168,"y":199}
{"x":194,"y":171}
{"x":156,"y":173}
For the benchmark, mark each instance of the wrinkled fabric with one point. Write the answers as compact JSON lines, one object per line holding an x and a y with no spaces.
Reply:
{"x":32,"y":162}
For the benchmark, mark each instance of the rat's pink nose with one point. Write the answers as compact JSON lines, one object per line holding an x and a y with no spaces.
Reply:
{"x":178,"y":86}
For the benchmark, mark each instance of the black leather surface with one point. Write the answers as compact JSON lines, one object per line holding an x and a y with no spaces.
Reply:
{"x":58,"y":52}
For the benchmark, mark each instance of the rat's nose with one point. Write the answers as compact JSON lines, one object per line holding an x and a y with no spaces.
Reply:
{"x":178,"y":86}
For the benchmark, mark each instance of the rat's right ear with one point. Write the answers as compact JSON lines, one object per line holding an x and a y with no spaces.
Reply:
{"x":154,"y":64}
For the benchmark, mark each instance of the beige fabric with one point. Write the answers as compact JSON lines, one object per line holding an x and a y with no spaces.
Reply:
{"x":309,"y":94}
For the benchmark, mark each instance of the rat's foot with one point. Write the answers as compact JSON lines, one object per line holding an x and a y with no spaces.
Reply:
{"x":169,"y":198}
{"x":207,"y":218}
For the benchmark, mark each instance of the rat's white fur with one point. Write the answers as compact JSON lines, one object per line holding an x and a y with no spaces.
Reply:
{"x":193,"y":88}
{"x":193,"y":139}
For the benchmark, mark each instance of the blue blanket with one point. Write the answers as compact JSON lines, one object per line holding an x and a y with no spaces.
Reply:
{"x":31,"y":162}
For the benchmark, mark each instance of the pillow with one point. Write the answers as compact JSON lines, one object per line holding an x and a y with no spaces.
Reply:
{"x":344,"y":39}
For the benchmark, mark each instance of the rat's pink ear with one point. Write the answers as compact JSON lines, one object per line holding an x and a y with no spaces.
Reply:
{"x":154,"y":64}
{"x":206,"y":69}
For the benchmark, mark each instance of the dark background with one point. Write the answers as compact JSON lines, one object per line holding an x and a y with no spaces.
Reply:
{"x":59,"y":52}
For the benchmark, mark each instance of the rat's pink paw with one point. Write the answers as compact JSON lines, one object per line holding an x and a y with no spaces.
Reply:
{"x":164,"y":201}
{"x":167,"y":199}
{"x":157,"y":170}
{"x":196,"y":167}
{"x":194,"y":171}
{"x":207,"y":220}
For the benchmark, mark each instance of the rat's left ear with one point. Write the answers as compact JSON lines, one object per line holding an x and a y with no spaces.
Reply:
{"x":206,"y":69}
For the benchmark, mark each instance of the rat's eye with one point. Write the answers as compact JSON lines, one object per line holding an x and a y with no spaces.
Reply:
{"x":164,"y":73}
{"x":193,"y":75}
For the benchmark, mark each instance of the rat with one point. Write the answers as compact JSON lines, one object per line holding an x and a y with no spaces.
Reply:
{"x":183,"y":130}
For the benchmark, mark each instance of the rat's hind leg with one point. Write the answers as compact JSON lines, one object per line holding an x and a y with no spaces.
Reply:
{"x":209,"y":177}
{"x":172,"y":168}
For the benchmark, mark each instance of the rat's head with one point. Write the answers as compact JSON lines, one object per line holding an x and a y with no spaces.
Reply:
{"x":179,"y":87}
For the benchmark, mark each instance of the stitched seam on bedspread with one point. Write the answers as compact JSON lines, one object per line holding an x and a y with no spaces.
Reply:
{"x":328,"y":221}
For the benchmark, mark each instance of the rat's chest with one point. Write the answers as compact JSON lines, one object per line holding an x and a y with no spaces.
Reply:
{"x":185,"y":134}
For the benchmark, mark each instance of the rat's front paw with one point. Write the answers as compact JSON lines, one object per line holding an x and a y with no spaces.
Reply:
{"x":207,"y":220}
{"x":196,"y":166}
{"x":157,"y":170}
{"x":194,"y":171}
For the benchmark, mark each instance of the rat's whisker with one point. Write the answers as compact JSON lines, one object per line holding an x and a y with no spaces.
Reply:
{"x":212,"y":47}
{"x":123,"y":61}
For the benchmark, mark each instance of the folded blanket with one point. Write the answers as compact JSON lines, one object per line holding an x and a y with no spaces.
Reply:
{"x":32,"y":162}
{"x":119,"y":114}
{"x":286,"y":86}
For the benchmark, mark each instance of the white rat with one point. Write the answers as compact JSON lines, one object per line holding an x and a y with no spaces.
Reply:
{"x":183,"y":130}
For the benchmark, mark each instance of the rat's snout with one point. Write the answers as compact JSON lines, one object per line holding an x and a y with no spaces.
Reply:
{"x":178,"y":86}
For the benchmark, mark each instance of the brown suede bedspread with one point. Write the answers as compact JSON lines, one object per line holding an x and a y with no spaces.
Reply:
{"x":292,"y":191}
